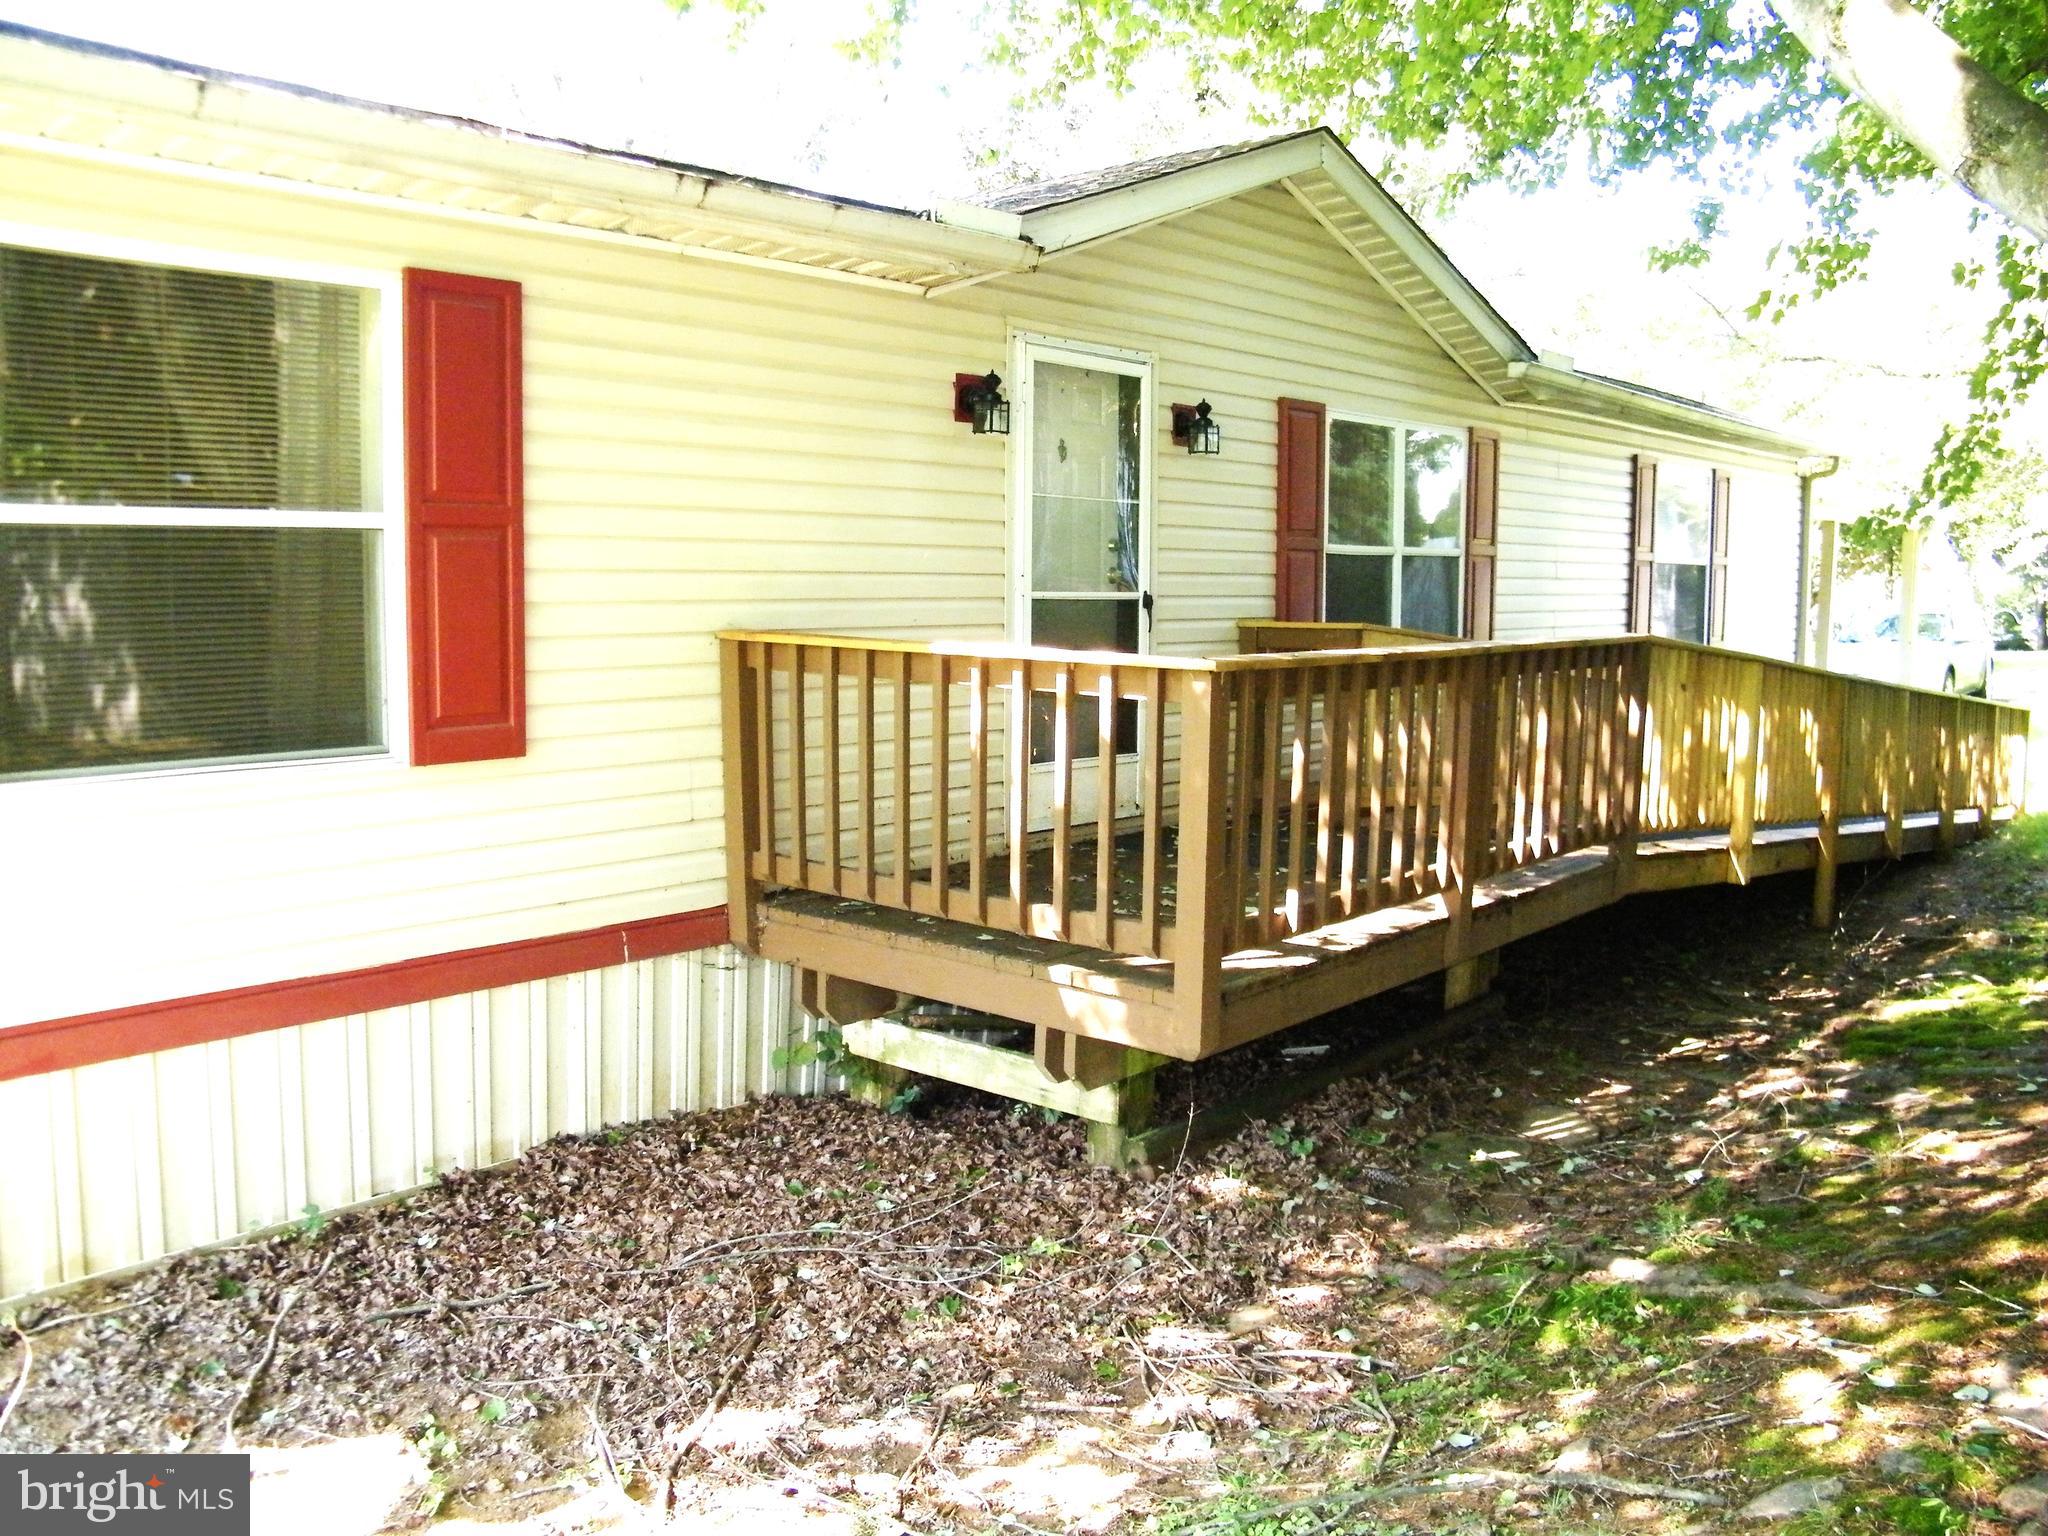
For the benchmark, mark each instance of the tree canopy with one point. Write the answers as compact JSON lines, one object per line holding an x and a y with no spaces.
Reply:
{"x":1872,"y":93}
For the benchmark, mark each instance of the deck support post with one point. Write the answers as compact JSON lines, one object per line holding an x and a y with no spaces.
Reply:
{"x":1897,"y":718}
{"x":839,"y":1001}
{"x":1749,"y":719}
{"x":1635,"y":754}
{"x":1468,"y":819}
{"x":1830,"y":737}
{"x":1949,"y":754}
{"x":877,"y":1083}
{"x":1067,"y":1057}
{"x":1118,"y":1143}
{"x":1204,"y":919}
{"x":1469,"y":980}
{"x":738,"y":728}
{"x":1986,"y":787}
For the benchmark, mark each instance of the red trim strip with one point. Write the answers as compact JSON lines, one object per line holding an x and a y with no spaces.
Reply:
{"x":86,"y":1038}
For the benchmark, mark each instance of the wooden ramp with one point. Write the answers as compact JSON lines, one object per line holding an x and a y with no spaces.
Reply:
{"x":1052,"y":984}
{"x":1173,"y":856}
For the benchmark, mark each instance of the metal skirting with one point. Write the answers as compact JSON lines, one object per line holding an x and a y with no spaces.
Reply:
{"x":111,"y":1165}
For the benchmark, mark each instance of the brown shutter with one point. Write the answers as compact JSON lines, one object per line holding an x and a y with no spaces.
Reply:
{"x":1642,"y":545}
{"x":1717,"y":579}
{"x":1482,"y":515}
{"x":465,"y":517}
{"x":1298,"y":555}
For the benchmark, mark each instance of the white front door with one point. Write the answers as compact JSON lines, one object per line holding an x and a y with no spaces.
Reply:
{"x":1083,"y":562}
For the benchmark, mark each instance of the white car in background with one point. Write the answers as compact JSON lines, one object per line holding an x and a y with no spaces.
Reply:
{"x":1949,"y":655}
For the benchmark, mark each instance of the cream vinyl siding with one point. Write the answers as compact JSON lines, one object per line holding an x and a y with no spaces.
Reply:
{"x":711,"y":446}
{"x":114,"y":1164}
{"x":706,"y":446}
{"x":1565,"y":514}
{"x":1241,"y":303}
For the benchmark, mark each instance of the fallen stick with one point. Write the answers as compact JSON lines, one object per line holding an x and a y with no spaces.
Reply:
{"x":931,"y":1442}
{"x":284,"y":1306}
{"x":1468,"y":1481}
{"x":256,"y":1373}
{"x":28,"y":1359}
{"x":1700,"y":1426}
{"x":1387,"y":1422}
{"x":462,"y":1303}
{"x":1616,"y":1485}
{"x":82,"y":1317}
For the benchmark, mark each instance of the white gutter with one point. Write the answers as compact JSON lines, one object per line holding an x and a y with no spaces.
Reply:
{"x":1561,"y":388}
{"x":415,"y":146}
{"x":1803,"y":644}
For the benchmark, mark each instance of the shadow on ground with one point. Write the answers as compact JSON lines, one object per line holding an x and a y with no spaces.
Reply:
{"x":1717,"y":1209}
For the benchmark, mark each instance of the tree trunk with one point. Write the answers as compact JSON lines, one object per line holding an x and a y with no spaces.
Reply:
{"x":1969,"y":123}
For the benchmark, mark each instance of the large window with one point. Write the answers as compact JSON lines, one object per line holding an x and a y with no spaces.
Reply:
{"x":1396,"y":525}
{"x":1684,"y":543}
{"x":191,"y":525}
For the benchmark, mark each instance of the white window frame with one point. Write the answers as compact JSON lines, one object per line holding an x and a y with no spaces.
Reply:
{"x":383,"y":476}
{"x":1704,"y":567}
{"x":1398,"y":513}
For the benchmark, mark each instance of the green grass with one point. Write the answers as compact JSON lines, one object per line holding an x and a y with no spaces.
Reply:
{"x":1887,"y":1514}
{"x":1967,"y":1019}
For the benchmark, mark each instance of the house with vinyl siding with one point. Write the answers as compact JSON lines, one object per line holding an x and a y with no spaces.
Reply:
{"x":373,"y":486}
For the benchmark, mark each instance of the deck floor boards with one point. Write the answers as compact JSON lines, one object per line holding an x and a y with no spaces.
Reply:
{"x":1253,"y":973}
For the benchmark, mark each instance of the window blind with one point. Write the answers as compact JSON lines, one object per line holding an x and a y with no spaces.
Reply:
{"x":127,"y":384}
{"x":242,"y":622}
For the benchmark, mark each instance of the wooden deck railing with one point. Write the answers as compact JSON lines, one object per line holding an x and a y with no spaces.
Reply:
{"x":1180,"y":810}
{"x":1365,"y":780}
{"x":978,"y":784}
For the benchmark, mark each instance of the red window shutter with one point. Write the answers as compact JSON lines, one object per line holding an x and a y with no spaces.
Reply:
{"x":1482,"y":518}
{"x":1298,"y":565}
{"x":465,"y":517}
{"x":1643,"y":545}
{"x":1717,"y":579}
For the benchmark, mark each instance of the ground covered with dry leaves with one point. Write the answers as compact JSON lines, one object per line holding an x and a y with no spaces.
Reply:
{"x":1714,"y":1208}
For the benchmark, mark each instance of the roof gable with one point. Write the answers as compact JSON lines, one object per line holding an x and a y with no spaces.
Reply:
{"x":1320,"y":172}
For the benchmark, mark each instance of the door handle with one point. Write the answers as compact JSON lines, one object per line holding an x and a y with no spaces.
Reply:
{"x":1145,"y":602}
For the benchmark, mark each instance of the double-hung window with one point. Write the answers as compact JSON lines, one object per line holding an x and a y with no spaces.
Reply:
{"x":1394,"y":536}
{"x":1679,"y":585}
{"x":193,"y":532}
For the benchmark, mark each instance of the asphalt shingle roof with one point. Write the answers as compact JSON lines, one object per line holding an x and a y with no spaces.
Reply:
{"x":1034,"y":196}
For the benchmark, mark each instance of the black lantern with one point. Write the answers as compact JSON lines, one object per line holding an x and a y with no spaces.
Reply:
{"x":978,"y":398}
{"x":1193,"y":425}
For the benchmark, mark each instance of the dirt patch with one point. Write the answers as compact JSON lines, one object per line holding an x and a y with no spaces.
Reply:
{"x":1410,"y":1305}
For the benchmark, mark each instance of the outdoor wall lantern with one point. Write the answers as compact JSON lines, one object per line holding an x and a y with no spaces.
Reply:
{"x":978,"y":398}
{"x":1194,"y":426}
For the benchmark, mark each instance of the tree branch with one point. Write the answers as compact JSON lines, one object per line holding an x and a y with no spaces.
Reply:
{"x":1974,"y":127}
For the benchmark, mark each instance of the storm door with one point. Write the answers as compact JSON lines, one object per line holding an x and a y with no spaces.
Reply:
{"x":1084,"y":556}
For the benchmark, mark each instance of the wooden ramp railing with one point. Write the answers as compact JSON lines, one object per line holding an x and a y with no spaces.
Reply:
{"x":1177,"y":811}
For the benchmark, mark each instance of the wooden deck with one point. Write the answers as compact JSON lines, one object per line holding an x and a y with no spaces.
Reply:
{"x":1286,"y":833}
{"x":1062,"y":985}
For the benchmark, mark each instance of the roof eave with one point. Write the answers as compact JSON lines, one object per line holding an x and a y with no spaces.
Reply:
{"x":1342,"y":167}
{"x":439,"y":145}
{"x":1571,"y":390}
